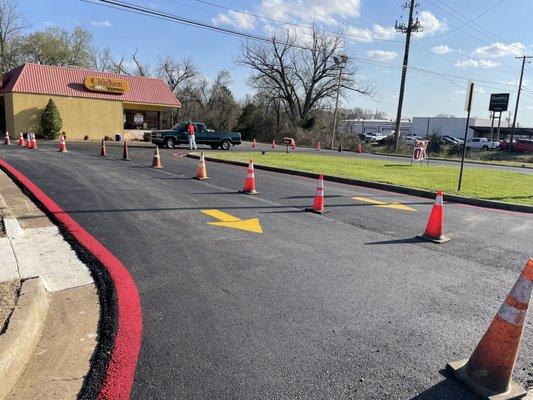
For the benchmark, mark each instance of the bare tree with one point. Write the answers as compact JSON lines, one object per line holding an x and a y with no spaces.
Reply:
{"x":141,"y":69}
{"x":101,"y":58}
{"x":304,"y":76}
{"x":11,"y":26}
{"x":176,"y":72}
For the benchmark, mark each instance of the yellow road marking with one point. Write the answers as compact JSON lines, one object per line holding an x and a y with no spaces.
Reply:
{"x":221,"y":216}
{"x":229,"y":221}
{"x":383,"y":204}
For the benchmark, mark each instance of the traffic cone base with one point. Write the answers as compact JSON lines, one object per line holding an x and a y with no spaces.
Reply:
{"x":439,"y":240}
{"x":249,"y":192}
{"x":458,"y":368}
{"x":311,"y":209}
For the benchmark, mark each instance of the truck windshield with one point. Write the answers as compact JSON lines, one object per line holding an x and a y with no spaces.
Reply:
{"x":179,"y":126}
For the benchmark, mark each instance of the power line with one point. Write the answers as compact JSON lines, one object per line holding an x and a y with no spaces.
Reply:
{"x":292,"y":23}
{"x":131,"y":8}
{"x":470,"y":20}
{"x":482,"y":31}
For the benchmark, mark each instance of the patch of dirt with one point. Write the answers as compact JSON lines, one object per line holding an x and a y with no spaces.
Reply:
{"x":9,"y":292}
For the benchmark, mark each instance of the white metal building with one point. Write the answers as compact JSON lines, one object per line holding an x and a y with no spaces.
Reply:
{"x":423,"y":126}
{"x":360,"y":126}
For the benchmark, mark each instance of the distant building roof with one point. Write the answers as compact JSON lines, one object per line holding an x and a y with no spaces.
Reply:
{"x":68,"y":81}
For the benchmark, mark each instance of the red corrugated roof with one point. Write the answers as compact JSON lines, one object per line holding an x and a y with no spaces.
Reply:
{"x":68,"y":81}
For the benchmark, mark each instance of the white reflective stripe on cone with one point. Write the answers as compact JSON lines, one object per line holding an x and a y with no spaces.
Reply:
{"x":522,"y":290}
{"x":512,"y":315}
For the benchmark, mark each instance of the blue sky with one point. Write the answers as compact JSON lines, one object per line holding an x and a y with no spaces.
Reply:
{"x":484,"y":51}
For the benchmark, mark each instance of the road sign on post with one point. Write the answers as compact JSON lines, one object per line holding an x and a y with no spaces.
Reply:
{"x":468,"y":107}
{"x":499,"y":102}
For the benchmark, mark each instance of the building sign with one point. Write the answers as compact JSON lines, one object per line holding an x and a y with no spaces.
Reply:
{"x":499,"y":102}
{"x":106,"y":85}
{"x":419,"y":151}
{"x":138,"y":118}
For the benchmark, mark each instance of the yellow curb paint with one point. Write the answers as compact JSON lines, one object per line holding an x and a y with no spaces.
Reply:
{"x":229,"y":221}
{"x":382,"y":204}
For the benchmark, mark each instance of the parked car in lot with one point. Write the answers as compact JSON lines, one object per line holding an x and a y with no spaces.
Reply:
{"x":178,"y":135}
{"x":410,"y":138}
{"x":482,"y":144}
{"x":520,"y":145}
{"x":524,"y":146}
{"x":452,"y":140}
{"x":504,"y":144}
{"x":374,"y":137}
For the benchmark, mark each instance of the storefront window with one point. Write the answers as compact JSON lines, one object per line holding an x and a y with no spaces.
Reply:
{"x":136,"y":119}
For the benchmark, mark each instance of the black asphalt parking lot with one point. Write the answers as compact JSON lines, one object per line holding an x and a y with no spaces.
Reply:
{"x":348,"y":305}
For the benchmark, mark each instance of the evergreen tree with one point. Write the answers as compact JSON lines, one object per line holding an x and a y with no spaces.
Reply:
{"x":51,"y":122}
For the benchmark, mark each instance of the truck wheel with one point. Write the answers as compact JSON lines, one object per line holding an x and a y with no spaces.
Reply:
{"x":169,"y":142}
{"x":484,"y":148}
{"x":225,"y":145}
{"x":214,"y":146}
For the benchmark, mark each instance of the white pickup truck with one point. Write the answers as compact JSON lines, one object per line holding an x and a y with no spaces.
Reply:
{"x":482,"y":144}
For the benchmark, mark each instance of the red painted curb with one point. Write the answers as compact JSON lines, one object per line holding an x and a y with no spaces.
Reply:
{"x":120,"y":371}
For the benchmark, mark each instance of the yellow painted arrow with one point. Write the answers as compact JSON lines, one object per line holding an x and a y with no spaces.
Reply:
{"x":229,"y":221}
{"x":382,"y":204}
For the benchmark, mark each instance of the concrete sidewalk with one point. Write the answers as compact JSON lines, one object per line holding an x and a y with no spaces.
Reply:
{"x":51,"y":334}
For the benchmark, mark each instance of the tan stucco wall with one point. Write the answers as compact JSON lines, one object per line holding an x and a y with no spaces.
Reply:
{"x":10,"y":127}
{"x":81,"y":116}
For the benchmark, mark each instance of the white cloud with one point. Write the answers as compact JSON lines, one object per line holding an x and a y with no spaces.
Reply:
{"x":499,"y":49}
{"x":382,"y":55}
{"x":480,"y":63}
{"x":443,"y":49}
{"x":237,"y":20}
{"x":383,"y":32}
{"x":317,"y":10}
{"x":430,"y":25}
{"x":359,"y":35}
{"x":102,"y":24}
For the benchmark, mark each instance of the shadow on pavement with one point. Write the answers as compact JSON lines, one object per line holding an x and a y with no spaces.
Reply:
{"x":448,"y":389}
{"x":397,"y":241}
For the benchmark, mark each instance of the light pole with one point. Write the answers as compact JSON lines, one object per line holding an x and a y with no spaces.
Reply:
{"x":340,"y":62}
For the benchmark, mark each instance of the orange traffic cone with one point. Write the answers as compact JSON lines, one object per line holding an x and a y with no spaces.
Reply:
{"x":62,"y":145}
{"x":249,"y":183}
{"x":318,"y":146}
{"x":253,"y":144}
{"x":125,"y":152}
{"x":293,"y":144}
{"x":273,"y":143}
{"x":489,"y":370}
{"x":29,"y":141}
{"x":103,"y":150}
{"x":435,"y":225}
{"x":33,"y":142}
{"x":21,"y":140}
{"x":156,"y":161}
{"x":318,"y":204}
{"x":7,"y":139}
{"x":201,"y":172}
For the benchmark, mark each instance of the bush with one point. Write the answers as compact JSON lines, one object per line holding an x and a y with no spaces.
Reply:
{"x":435,"y":145}
{"x":51,"y":122}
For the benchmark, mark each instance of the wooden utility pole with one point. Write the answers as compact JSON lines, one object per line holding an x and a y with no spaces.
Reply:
{"x":524,"y":58}
{"x":412,"y":26}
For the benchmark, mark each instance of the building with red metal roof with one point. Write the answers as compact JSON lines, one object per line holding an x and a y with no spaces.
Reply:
{"x":91,"y":103}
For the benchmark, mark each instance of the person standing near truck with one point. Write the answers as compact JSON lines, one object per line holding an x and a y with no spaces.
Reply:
{"x":191,"y":129}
